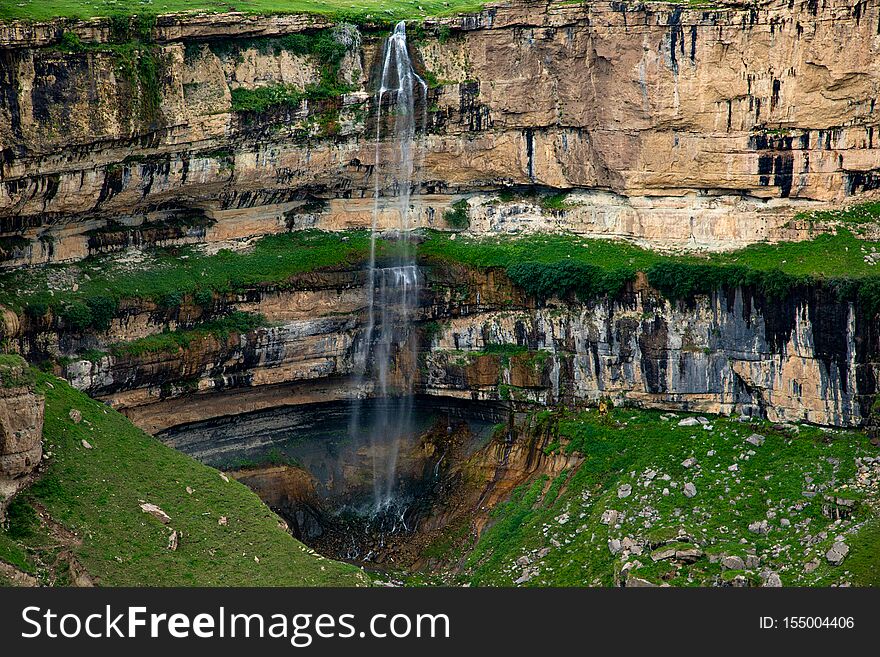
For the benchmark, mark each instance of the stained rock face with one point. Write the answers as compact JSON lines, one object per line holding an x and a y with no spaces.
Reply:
{"x":688,"y":127}
{"x":21,"y":428}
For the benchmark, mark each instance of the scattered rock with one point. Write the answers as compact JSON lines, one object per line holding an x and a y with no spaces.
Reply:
{"x":638,"y":582}
{"x":663,"y":553}
{"x":732,"y":562}
{"x":688,"y":422}
{"x":624,"y":491}
{"x":189,"y":490}
{"x":223,"y":521}
{"x":772,"y":580}
{"x":755,"y":439}
{"x":837,"y":553}
{"x":156,"y":512}
{"x":75,"y":415}
{"x":86,"y":444}
{"x":173,"y":541}
{"x":689,"y":463}
{"x":811,"y":565}
{"x":224,"y":477}
{"x":690,"y":490}
{"x":614,"y":546}
{"x":689,"y":555}
{"x":759,"y":527}
{"x":609,"y":517}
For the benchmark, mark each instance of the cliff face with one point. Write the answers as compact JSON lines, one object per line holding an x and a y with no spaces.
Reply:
{"x":21,"y":427}
{"x":676,"y":126}
{"x":810,"y":357}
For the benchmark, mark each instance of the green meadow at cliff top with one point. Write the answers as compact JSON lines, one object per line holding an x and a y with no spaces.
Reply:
{"x":379,"y":10}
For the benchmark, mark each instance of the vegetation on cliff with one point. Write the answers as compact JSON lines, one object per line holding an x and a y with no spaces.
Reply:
{"x":563,"y":264}
{"x":364,"y":10}
{"x":665,"y":497}
{"x":88,"y":294}
{"x":101,"y":469}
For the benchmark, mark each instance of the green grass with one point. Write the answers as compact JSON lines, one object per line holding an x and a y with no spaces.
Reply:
{"x":96,"y":494}
{"x":359,"y":10}
{"x":855,"y":216}
{"x":170,"y":276}
{"x":562,"y":264}
{"x":623,"y":448}
{"x":14,"y":371}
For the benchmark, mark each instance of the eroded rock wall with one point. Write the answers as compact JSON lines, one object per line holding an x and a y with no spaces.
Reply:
{"x":21,"y":428}
{"x":808,"y":357}
{"x":700,"y":127}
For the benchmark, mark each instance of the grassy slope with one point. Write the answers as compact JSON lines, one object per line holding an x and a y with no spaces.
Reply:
{"x":381,"y":9}
{"x":841,"y":254}
{"x":96,"y":492}
{"x":180,"y":271}
{"x":717,"y":517}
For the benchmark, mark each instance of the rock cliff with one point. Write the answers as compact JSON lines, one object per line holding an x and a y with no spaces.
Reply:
{"x":704,"y":127}
{"x":811,"y":357}
{"x":21,"y":427}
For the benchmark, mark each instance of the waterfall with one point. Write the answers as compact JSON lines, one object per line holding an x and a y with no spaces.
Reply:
{"x":392,"y":289}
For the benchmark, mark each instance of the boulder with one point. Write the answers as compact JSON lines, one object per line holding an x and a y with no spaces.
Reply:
{"x":837,"y":553}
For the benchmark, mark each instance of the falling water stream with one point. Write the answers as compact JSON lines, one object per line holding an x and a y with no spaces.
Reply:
{"x":393,"y":287}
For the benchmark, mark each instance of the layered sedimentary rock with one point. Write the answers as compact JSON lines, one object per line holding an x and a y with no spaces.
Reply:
{"x":809,"y":357}
{"x":21,"y":428}
{"x":701,"y":127}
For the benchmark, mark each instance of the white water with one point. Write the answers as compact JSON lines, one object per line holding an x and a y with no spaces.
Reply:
{"x":393,"y":290}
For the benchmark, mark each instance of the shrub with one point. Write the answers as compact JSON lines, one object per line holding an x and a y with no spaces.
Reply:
{"x":102,"y":310}
{"x":457,"y":217}
{"x":561,"y":279}
{"x":76,"y":315}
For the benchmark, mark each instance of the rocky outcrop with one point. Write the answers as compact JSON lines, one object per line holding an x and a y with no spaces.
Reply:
{"x":21,"y":427}
{"x":700,"y":127}
{"x":809,"y":357}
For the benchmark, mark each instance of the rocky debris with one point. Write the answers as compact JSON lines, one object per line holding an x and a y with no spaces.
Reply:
{"x":638,"y":582}
{"x":223,"y":521}
{"x":837,"y":553}
{"x":755,"y":439}
{"x":189,"y":490}
{"x":811,"y":565}
{"x":690,"y":490}
{"x":173,"y":541}
{"x":759,"y":527}
{"x":614,"y":545}
{"x":155,"y":511}
{"x":624,"y":491}
{"x":772,"y":580}
{"x":86,"y":444}
{"x":224,"y":477}
{"x":688,"y":555}
{"x":527,"y":574}
{"x":732,"y":562}
{"x":660,"y":554}
{"x":609,"y":517}
{"x":689,"y":463}
{"x":75,"y":415}
{"x":689,"y":422}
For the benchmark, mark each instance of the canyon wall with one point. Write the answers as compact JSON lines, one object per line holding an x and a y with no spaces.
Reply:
{"x":692,"y":127}
{"x":21,"y":427}
{"x":809,"y":357}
